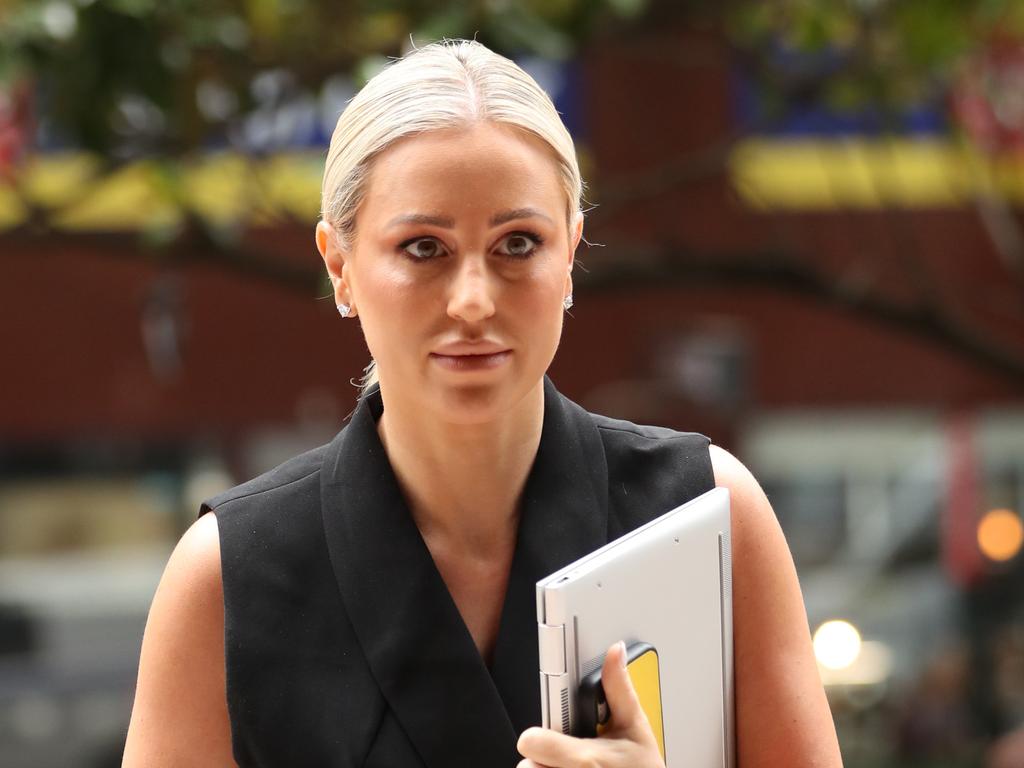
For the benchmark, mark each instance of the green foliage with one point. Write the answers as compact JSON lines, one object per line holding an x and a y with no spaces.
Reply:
{"x":134,"y":76}
{"x":885,"y":53}
{"x":165,"y":77}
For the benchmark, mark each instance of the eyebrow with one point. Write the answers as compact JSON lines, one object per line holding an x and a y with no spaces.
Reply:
{"x":518,"y":213}
{"x":447,"y":222}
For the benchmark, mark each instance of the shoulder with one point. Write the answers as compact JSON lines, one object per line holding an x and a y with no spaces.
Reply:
{"x":296,"y":474}
{"x":182,"y":659}
{"x":646,"y":470}
{"x":745,"y":492}
{"x":196,"y":556}
{"x":659,"y":449}
{"x":612,"y":429}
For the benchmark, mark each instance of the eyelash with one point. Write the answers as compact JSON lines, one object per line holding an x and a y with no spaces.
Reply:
{"x":535,"y":238}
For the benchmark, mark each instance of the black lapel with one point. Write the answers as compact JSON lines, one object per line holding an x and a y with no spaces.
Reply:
{"x":418,"y":648}
{"x":564,"y":516}
{"x":421,"y":653}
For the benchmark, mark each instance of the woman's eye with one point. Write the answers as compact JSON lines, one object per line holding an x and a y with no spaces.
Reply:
{"x":422,"y":249}
{"x":521,"y":245}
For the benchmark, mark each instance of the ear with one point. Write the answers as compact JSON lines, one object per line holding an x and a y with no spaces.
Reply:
{"x":575,"y":236}
{"x":336,"y":261}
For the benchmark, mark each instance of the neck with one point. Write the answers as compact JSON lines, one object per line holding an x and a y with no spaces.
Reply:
{"x":463,"y":482}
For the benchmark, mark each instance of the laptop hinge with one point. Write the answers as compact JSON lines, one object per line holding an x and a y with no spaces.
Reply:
{"x":551,"y":642}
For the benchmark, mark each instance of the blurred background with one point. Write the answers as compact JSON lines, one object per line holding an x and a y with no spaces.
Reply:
{"x":808,"y":243}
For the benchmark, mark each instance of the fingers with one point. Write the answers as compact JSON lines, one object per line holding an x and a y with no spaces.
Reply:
{"x":623,"y":702}
{"x":542,"y":747}
{"x":628,"y":741}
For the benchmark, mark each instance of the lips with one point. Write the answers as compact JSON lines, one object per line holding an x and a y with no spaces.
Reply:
{"x":470,"y":349}
{"x":471,"y":356}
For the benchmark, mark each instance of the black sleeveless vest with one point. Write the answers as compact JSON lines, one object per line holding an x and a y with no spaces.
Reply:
{"x":343,"y":647}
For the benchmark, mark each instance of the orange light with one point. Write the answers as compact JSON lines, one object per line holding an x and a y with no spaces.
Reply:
{"x":1000,"y":534}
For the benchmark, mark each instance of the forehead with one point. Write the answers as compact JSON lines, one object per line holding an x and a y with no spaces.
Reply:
{"x":463,"y":172}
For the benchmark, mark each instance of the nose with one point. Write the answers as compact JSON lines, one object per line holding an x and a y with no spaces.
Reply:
{"x":471,"y":292}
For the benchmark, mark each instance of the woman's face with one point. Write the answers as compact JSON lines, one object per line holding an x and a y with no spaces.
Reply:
{"x":458,"y":269}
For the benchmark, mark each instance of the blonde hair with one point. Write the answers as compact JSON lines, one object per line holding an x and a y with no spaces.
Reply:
{"x":446,"y":84}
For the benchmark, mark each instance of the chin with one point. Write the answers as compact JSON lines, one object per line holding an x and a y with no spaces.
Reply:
{"x":468,"y":403}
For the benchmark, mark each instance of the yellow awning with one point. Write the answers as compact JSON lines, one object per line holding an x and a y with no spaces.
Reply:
{"x":228,"y":188}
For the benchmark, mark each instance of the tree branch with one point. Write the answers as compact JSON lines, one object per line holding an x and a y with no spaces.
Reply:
{"x":195,"y":247}
{"x":780,"y":272}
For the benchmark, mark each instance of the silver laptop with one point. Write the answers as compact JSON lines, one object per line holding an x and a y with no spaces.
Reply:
{"x":667,"y":584}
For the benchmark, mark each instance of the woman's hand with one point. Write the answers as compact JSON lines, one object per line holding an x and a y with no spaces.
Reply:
{"x":627,"y":742}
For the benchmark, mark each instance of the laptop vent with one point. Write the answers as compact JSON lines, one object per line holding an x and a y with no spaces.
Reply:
{"x":592,"y":665}
{"x":565,"y":710}
{"x":725,"y":563}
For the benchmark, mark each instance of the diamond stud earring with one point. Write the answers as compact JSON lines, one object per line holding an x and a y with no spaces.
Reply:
{"x":344,"y":310}
{"x":567,"y":303}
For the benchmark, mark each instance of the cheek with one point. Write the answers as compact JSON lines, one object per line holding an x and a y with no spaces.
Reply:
{"x":386,"y":277}
{"x":536,"y":304}
{"x":545,"y":286}
{"x":389,"y":299}
{"x":388,"y":289}
{"x":539,"y":302}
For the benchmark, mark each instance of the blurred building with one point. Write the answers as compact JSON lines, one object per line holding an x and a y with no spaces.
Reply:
{"x":825,"y":299}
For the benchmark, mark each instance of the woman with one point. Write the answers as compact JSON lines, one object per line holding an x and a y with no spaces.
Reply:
{"x":371,"y":602}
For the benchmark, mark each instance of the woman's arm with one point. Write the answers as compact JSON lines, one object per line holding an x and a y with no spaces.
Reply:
{"x":180,"y":716}
{"x":782,"y":715}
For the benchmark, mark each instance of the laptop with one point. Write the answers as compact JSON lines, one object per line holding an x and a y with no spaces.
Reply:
{"x":666,"y":590}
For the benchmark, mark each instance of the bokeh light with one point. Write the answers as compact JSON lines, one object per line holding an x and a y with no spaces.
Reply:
{"x":837,"y":644}
{"x":1000,"y":534}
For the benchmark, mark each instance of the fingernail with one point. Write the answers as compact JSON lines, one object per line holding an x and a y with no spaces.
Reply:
{"x":622,"y":654}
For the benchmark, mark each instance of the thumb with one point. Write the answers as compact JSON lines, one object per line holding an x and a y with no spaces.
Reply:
{"x":623,"y":702}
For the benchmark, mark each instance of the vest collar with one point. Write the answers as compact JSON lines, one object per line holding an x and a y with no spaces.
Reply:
{"x":453,"y":708}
